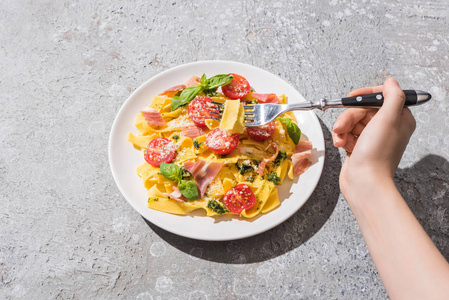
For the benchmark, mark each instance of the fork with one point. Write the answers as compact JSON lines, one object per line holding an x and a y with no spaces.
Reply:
{"x":261,"y":114}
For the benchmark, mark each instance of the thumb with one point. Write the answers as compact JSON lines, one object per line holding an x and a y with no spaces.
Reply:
{"x":394,"y":99}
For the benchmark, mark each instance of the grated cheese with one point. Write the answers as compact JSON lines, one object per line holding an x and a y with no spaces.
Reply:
{"x":182,"y":121}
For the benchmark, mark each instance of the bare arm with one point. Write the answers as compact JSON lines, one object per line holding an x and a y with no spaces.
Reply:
{"x":410,"y":265}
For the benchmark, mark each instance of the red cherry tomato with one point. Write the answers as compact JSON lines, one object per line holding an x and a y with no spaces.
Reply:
{"x":160,"y":150}
{"x":237,"y":88}
{"x":221,"y":142}
{"x":199,"y":110}
{"x":239,"y":198}
{"x":261,"y":133}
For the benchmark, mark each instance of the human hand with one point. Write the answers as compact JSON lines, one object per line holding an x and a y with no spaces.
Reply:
{"x":374,"y":139}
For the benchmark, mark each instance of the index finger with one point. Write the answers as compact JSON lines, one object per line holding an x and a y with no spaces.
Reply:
{"x":348,"y":119}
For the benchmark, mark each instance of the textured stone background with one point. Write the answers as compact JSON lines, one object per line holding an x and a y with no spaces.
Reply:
{"x":66,"y":68}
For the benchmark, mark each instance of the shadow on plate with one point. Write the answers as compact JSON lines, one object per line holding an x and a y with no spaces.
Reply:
{"x":425,"y":187}
{"x":284,"y":237}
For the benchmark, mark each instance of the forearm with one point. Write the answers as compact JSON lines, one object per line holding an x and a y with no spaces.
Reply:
{"x":410,"y":265}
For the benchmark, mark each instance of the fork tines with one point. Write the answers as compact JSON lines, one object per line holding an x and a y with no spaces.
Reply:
{"x":216,"y":110}
{"x":249,"y":113}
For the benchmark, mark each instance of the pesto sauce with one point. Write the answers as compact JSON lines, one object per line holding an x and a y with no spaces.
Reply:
{"x":243,"y":168}
{"x":273,"y":177}
{"x":197,"y":144}
{"x":217,"y":207}
{"x":280,"y":157}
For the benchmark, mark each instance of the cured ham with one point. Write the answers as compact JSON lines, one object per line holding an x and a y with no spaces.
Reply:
{"x":264,"y":162}
{"x":266,"y":98}
{"x":300,"y":157}
{"x":300,"y":166}
{"x":194,"y":80}
{"x":176,"y":195}
{"x":152,"y":116}
{"x":192,"y":131}
{"x":203,"y":172}
{"x":173,"y":90}
{"x":303,"y":146}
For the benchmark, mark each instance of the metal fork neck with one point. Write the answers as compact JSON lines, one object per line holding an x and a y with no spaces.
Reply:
{"x":325,"y":103}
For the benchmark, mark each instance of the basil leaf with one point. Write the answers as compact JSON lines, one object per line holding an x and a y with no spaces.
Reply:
{"x":176,"y":102}
{"x":218,"y":80}
{"x":188,"y":189}
{"x":292,"y":129}
{"x":203,"y":80}
{"x":294,"y":132}
{"x":209,"y":85}
{"x":171,"y":171}
{"x":185,"y":97}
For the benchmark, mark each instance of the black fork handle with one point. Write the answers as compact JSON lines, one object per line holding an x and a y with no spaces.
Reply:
{"x":412,"y":97}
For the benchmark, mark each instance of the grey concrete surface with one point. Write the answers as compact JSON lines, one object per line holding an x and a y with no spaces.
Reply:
{"x":66,"y":68}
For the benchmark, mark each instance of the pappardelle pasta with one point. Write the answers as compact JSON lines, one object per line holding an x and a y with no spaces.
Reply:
{"x":194,"y":161}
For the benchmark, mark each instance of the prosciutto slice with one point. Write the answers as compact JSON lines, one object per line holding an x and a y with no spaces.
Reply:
{"x":194,"y":80}
{"x":173,"y":90}
{"x":176,"y":195}
{"x":203,"y":172}
{"x":152,"y":116}
{"x":266,"y":98}
{"x":299,"y":158}
{"x":192,"y":131}
{"x":264,"y":162}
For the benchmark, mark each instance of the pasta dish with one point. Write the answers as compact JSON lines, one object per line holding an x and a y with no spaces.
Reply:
{"x":194,"y":161}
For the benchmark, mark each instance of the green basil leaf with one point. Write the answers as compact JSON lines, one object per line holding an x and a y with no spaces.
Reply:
{"x":176,"y":102}
{"x":204,"y":80}
{"x":171,"y":171}
{"x":188,"y":189}
{"x":218,"y":80}
{"x":185,"y":97}
{"x":294,"y":132}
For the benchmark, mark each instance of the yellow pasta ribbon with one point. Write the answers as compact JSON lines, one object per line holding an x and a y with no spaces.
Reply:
{"x":272,"y":202}
{"x":158,"y":102}
{"x":186,"y":150}
{"x":141,"y":141}
{"x":262,"y":194}
{"x":201,"y":140}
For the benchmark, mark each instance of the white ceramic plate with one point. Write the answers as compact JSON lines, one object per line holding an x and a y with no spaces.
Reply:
{"x":123,"y":158}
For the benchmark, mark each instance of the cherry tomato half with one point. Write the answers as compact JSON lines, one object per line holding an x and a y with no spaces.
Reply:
{"x":221,"y":142}
{"x":239,"y":198}
{"x":237,"y":88}
{"x":199,"y":110}
{"x":160,"y":150}
{"x":261,"y":133}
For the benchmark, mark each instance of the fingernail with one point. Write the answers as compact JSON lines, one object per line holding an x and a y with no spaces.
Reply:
{"x":337,"y":141}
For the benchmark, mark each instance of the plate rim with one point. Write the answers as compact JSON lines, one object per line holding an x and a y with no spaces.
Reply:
{"x":122,"y":190}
